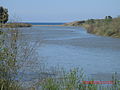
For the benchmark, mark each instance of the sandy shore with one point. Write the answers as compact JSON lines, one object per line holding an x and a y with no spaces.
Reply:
{"x":47,"y":25}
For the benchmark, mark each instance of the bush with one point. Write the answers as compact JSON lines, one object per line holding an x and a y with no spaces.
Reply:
{"x":8,"y":66}
{"x":3,"y":15}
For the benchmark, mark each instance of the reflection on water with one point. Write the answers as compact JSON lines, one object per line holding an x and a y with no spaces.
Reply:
{"x":71,"y":47}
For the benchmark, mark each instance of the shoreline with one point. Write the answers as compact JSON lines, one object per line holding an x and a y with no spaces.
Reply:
{"x":15,"y":25}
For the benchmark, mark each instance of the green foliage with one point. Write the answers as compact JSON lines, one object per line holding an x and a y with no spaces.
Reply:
{"x":50,"y":84}
{"x":1,"y":32}
{"x":3,"y":15}
{"x":108,"y":17}
{"x":66,"y":81}
{"x":73,"y":81}
{"x":9,"y":85}
{"x":90,"y":21}
{"x":8,"y":66}
{"x":69,"y":81}
{"x":104,"y":27}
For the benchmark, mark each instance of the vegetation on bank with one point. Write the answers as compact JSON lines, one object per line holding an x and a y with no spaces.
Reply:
{"x":8,"y":66}
{"x":74,"y":80}
{"x":104,"y":27}
{"x":15,"y":25}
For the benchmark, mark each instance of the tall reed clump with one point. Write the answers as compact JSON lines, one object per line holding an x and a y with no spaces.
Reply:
{"x":16,"y":56}
{"x":8,"y":68}
{"x":64,"y":81}
{"x":8,"y":53}
{"x":73,"y":80}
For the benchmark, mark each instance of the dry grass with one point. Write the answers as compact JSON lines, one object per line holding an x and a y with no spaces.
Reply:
{"x":103,"y":27}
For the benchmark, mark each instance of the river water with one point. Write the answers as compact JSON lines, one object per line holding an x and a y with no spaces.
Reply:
{"x":72,"y":47}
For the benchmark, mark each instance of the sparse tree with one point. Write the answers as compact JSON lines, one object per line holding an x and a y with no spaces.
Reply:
{"x":108,"y":17}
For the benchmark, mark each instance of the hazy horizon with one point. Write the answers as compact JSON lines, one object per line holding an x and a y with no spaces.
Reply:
{"x":60,"y":10}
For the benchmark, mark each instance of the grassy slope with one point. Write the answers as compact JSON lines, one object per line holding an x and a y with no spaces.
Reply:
{"x":103,"y":27}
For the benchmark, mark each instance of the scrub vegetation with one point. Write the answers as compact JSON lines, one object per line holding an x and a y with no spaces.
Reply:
{"x":104,"y":27}
{"x":15,"y":25}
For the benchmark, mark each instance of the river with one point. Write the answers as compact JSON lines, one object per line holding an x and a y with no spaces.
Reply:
{"x":72,"y":47}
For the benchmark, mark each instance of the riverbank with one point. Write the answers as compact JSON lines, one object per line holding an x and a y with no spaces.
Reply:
{"x":15,"y":25}
{"x":104,"y":27}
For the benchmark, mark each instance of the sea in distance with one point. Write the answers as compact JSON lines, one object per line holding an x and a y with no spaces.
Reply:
{"x":45,"y":23}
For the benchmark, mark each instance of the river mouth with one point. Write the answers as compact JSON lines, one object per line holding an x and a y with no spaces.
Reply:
{"x":72,"y":47}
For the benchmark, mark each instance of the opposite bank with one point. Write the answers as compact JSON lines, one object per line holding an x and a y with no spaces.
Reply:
{"x":15,"y":25}
{"x":104,"y":27}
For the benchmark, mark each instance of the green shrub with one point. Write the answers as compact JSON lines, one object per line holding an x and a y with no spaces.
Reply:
{"x":8,"y":66}
{"x":3,"y":15}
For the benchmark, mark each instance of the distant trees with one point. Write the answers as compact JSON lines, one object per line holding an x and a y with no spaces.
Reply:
{"x":108,"y":17}
{"x":3,"y":15}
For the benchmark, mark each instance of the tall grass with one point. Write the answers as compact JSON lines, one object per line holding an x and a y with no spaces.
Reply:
{"x":15,"y":56}
{"x":105,"y":27}
{"x":73,"y":80}
{"x":8,"y":68}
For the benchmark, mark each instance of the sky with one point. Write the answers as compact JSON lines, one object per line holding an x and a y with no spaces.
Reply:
{"x":60,"y":10}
